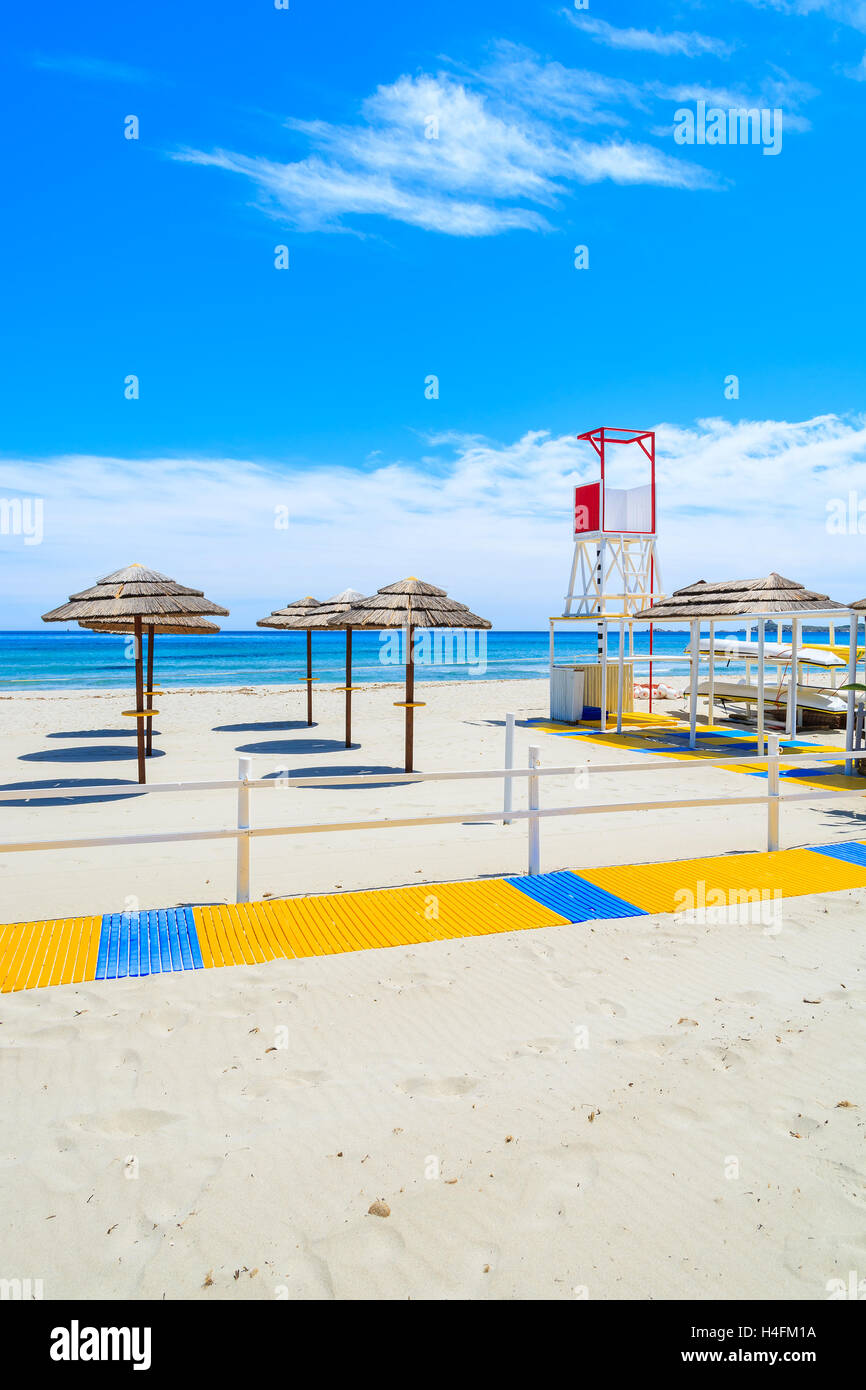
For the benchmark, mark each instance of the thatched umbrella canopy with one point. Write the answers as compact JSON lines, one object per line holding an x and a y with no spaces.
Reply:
{"x":168,"y":624}
{"x":330,"y":614}
{"x":408,"y":604}
{"x":292,"y":616}
{"x":131,"y":596}
{"x":737,"y":598}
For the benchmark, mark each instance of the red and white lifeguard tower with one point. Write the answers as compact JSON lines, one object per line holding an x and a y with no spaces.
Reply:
{"x":615,"y":568}
{"x":614,"y":574}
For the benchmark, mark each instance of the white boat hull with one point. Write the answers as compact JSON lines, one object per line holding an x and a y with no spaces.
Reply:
{"x":807,"y":696}
{"x":775,"y":653}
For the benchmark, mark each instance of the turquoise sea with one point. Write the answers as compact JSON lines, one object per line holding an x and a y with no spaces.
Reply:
{"x":74,"y":659}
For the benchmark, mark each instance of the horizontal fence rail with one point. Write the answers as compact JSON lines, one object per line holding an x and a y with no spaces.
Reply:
{"x":243,"y":832}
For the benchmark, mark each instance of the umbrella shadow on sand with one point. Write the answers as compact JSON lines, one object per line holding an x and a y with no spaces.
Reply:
{"x":273,"y":726}
{"x":284,"y":747}
{"x":855,"y":819}
{"x":525,"y":723}
{"x":62,"y":798}
{"x":95,"y":733}
{"x":289,"y":774}
{"x":100,"y":753}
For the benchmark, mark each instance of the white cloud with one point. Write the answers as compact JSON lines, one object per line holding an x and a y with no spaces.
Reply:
{"x":317,"y":194}
{"x":852,"y":12}
{"x":499,"y":154}
{"x":779,"y":90}
{"x":488,"y":521}
{"x":650,"y":41}
{"x":551,"y":89}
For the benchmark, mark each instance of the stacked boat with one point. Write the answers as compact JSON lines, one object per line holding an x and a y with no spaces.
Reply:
{"x":779,"y":655}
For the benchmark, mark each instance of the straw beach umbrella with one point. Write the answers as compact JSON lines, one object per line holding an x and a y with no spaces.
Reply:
{"x":132,"y":596}
{"x":732,"y":597}
{"x":171,"y":625}
{"x":408,"y":604}
{"x":330,"y":615}
{"x":292,"y":617}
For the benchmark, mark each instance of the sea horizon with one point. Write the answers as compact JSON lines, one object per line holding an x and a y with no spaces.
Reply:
{"x":76,"y":659}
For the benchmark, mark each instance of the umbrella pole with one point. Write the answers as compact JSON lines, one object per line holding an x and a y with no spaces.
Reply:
{"x":139,"y":698}
{"x":348,"y":687}
{"x":149,"y":722}
{"x":410,"y":700}
{"x":309,"y":675}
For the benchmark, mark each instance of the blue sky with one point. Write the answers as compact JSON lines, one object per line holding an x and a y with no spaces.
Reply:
{"x":411,"y":256}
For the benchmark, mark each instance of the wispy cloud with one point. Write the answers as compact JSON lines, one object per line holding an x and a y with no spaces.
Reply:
{"x":778,"y":90}
{"x":553,"y":90}
{"x":467,"y":158}
{"x":649,"y":40}
{"x":89,"y":68}
{"x":470,"y":513}
{"x":852,"y":12}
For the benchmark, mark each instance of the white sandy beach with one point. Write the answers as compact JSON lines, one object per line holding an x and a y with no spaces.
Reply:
{"x":160,"y":1141}
{"x":697,"y":1146}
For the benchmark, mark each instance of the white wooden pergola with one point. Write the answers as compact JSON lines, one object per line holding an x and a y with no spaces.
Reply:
{"x":674,"y":611}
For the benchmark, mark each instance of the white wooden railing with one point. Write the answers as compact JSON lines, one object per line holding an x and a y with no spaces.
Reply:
{"x":244,"y":832}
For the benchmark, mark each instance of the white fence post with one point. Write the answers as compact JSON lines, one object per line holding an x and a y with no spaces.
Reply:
{"x":243,"y":883}
{"x":532,"y":821}
{"x":507,"y":802}
{"x":772,"y":793}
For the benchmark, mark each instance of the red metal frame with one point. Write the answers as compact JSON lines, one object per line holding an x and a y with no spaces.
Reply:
{"x":616,"y":434}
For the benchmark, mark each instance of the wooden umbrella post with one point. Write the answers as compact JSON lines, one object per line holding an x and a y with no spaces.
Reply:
{"x":348,"y":687}
{"x":309,"y":675}
{"x":410,"y":701}
{"x":139,"y":698}
{"x":149,"y":722}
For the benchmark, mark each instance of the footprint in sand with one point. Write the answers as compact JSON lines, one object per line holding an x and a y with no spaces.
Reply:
{"x":288,"y":1081}
{"x":159,"y":1023}
{"x":846,"y":1180}
{"x":443,"y":1088}
{"x":720,"y":1058}
{"x":580,"y":1160}
{"x":798,"y":1126}
{"x":58,"y":1032}
{"x":538,"y":1047}
{"x":131,"y":1122}
{"x":568,"y":981}
{"x":667,"y":947}
{"x":679,"y":1116}
{"x":607,"y":1006}
{"x":658,"y":1046}
{"x":417,"y":981}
